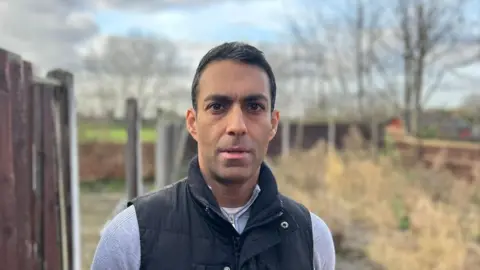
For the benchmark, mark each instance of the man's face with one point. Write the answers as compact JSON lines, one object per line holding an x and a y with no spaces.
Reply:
{"x":233,"y":123}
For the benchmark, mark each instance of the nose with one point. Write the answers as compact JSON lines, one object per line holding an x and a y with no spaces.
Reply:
{"x":236,"y":123}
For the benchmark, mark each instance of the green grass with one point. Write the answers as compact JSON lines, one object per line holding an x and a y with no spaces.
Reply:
{"x":112,"y":134}
{"x":111,"y":184}
{"x":103,"y":185}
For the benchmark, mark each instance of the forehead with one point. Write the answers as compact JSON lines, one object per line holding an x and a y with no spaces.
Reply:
{"x":233,"y":79}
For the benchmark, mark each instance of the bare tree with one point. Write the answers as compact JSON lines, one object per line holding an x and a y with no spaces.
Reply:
{"x":287,"y":66}
{"x":430,"y":33}
{"x":138,"y":65}
{"x":347,"y":50}
{"x":384,"y":48}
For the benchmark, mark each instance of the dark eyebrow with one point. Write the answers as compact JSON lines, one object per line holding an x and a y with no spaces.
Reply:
{"x":224,"y":98}
{"x":217,"y":97}
{"x":255,"y":97}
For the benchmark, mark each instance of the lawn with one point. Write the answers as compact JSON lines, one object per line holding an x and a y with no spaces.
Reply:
{"x":87,"y":133}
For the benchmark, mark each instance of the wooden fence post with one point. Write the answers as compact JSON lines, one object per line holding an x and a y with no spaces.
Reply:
{"x":374,"y":138}
{"x":161,"y":151}
{"x":331,"y":134}
{"x":170,"y":150}
{"x":133,"y":153}
{"x":176,"y":134}
{"x":285,"y":126}
{"x":179,"y":153}
{"x":49,"y":186}
{"x":68,"y":153}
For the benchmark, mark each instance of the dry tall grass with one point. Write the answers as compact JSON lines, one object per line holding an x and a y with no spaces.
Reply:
{"x":383,"y":215}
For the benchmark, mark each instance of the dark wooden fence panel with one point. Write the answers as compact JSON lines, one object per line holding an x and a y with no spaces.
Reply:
{"x":8,"y":213}
{"x":34,"y":158}
{"x":37,"y":173}
{"x":21,"y":75}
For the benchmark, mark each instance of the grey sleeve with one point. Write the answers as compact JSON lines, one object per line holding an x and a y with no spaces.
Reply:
{"x":119,"y":245}
{"x":323,"y":247}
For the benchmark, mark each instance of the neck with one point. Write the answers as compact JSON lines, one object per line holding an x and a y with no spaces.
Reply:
{"x":232,"y":195}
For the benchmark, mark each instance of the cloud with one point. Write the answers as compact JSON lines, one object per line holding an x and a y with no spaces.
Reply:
{"x":54,"y":33}
{"x":45,"y":32}
{"x":155,"y":5}
{"x":224,"y":20}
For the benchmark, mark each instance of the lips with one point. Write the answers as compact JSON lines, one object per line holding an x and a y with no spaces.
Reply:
{"x":234,"y":152}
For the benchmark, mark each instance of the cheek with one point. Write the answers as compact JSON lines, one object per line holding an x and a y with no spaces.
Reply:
{"x":207,"y":135}
{"x":262,"y":132}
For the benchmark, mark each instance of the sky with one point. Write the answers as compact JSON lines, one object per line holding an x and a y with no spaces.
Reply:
{"x":215,"y":22}
{"x":55,"y":33}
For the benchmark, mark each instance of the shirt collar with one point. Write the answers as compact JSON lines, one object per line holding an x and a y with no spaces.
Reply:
{"x":256,"y":192}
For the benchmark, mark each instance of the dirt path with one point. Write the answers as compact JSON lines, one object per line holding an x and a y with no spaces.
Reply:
{"x":95,"y":209}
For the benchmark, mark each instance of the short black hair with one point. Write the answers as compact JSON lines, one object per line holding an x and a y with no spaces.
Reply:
{"x":236,"y":51}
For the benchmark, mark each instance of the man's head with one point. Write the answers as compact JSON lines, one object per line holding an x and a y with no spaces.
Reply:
{"x":233,"y":117}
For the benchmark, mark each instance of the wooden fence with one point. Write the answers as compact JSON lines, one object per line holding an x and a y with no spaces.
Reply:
{"x":38,"y":207}
{"x":462,"y":159}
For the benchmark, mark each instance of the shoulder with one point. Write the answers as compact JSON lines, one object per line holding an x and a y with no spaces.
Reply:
{"x":320,"y":229}
{"x":299,"y":213}
{"x":160,"y":207}
{"x":127,"y":218}
{"x":319,"y":233}
{"x":162,"y":196}
{"x":119,"y":245}
{"x":294,"y":207}
{"x":164,"y":199}
{"x":324,"y":249}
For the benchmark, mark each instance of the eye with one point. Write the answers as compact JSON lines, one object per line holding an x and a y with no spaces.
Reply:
{"x":255,"y":107}
{"x":215,"y":107}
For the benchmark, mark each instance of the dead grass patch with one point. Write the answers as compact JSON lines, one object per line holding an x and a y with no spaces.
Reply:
{"x":384,"y":215}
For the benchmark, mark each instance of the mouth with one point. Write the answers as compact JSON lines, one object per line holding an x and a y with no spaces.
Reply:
{"x":234,"y":152}
{"x":235,"y":149}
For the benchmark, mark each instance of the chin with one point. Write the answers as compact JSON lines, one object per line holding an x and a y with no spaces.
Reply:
{"x":234,"y":175}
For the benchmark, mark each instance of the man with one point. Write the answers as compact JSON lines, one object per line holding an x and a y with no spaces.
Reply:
{"x":227,"y":213}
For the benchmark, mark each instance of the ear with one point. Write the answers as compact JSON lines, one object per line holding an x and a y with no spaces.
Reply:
{"x":274,"y":123}
{"x":191,"y":122}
